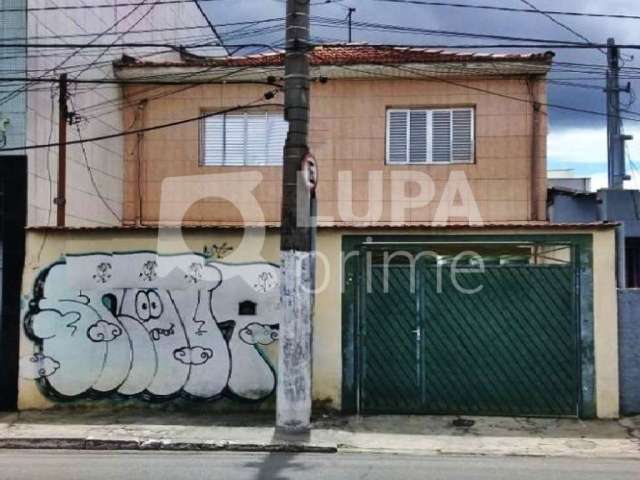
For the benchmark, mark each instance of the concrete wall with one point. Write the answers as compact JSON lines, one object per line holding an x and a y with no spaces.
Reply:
{"x":99,"y":105}
{"x":13,"y":29}
{"x":629,"y":305}
{"x":45,"y":249}
{"x":570,"y":208}
{"x":347,"y":134}
{"x":605,"y":325}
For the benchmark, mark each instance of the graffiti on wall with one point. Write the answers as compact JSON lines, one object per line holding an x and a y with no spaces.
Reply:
{"x":152,"y":326}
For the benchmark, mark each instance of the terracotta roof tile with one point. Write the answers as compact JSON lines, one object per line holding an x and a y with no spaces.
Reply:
{"x":356,"y":54}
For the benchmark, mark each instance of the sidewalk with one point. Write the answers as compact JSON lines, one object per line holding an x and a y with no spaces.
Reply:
{"x":424,"y":435}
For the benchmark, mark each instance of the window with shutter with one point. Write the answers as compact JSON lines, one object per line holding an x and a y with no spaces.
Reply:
{"x":397,"y":125}
{"x":250,"y":139}
{"x":430,"y":135}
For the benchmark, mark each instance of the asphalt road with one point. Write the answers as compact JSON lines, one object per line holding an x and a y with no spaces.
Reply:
{"x":68,"y":465}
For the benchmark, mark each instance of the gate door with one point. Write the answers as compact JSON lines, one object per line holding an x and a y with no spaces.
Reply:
{"x":391,"y":379}
{"x":509,"y":349}
{"x":429,"y":345}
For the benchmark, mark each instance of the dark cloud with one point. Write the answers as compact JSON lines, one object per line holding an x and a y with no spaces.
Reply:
{"x":476,"y":21}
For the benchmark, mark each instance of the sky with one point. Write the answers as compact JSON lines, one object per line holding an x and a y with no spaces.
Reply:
{"x":576,"y":140}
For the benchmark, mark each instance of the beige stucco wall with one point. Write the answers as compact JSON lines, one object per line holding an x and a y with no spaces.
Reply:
{"x":327,"y":354}
{"x":347,"y":133}
{"x":605,"y":313}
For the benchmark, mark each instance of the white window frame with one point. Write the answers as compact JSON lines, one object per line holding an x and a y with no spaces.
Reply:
{"x":223,"y":163}
{"x":429,"y":159}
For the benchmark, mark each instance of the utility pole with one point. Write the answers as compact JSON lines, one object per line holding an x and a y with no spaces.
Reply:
{"x":349,"y":15}
{"x":615,"y":140}
{"x":63,"y":115}
{"x":297,"y":233}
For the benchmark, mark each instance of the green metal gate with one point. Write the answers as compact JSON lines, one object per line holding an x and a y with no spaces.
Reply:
{"x":428,"y":345}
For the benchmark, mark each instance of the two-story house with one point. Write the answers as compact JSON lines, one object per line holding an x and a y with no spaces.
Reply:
{"x":441,"y":287}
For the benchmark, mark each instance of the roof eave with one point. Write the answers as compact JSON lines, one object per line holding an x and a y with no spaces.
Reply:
{"x":415,"y":70}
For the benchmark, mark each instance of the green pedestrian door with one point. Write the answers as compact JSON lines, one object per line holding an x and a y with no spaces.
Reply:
{"x":429,"y":345}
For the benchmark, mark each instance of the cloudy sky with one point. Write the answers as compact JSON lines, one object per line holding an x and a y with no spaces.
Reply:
{"x":576,"y":140}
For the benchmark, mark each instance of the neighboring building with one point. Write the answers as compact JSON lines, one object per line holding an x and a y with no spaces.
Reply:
{"x":13,"y":25}
{"x":29,"y":117}
{"x":428,"y":161}
{"x":621,"y":208}
{"x":566,"y":179}
{"x":94,"y":184}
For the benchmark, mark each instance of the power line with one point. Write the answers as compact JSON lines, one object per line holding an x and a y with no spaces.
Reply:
{"x":100,"y":5}
{"x":147,"y":81}
{"x":557,"y":22}
{"x":489,"y":92}
{"x":149,"y":129}
{"x":150,"y":30}
{"x":513,"y":9}
{"x":90,"y":172}
{"x":381,"y":27}
{"x":477,"y":46}
{"x":115,"y":41}
{"x":8,"y":97}
{"x":206,"y":18}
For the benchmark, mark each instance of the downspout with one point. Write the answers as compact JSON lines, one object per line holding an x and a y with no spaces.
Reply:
{"x":534,"y":213}
{"x":136,"y":158}
{"x":141,"y":185}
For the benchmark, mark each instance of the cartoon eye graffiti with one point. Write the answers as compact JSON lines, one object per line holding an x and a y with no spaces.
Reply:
{"x":155,"y":305}
{"x":143,"y":310}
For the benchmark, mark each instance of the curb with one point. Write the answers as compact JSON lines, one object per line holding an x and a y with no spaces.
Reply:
{"x":38,"y":443}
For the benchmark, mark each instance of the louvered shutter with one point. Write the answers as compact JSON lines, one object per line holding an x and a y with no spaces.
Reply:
{"x":462,"y":135}
{"x":397,"y":125}
{"x":235,"y":131}
{"x":276,"y":130}
{"x":256,"y":139}
{"x":213,"y":141}
{"x":441,"y":136}
{"x":244,"y":139}
{"x":418,"y":136}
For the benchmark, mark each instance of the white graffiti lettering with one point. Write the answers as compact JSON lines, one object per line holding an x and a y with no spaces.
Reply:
{"x":157,"y":327}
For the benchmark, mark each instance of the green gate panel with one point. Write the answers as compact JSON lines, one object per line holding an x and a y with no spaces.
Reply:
{"x":508,"y":349}
{"x":390,"y":380}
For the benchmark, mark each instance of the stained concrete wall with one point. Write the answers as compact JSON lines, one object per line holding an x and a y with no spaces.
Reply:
{"x":45,"y":248}
{"x":629,"y":337}
{"x":94,"y":184}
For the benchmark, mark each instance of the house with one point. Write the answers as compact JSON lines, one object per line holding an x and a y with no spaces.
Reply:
{"x":567,"y":179}
{"x":441,"y":286}
{"x":29,"y":112}
{"x":619,"y":207}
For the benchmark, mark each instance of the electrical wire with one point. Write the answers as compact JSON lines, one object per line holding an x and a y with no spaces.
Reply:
{"x":97,"y":6}
{"x":557,"y":22}
{"x":513,"y":9}
{"x":8,"y":97}
{"x":118,"y":38}
{"x":49,"y":174}
{"x":90,"y":172}
{"x":149,"y":129}
{"x":389,"y":28}
{"x":486,"y":91}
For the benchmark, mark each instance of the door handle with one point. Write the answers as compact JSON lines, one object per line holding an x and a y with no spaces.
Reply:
{"x":418,"y":333}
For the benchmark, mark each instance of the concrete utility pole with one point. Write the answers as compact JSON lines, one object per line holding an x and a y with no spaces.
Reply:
{"x":349,"y":15}
{"x":63,"y":115}
{"x":293,"y":402}
{"x":615,"y":140}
